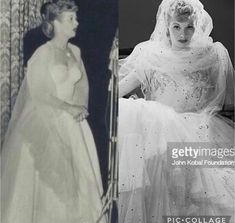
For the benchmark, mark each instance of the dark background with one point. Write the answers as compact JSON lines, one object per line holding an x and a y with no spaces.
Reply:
{"x":98,"y":22}
{"x":137,"y":20}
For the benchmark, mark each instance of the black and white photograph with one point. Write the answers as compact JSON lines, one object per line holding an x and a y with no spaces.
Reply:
{"x":117,"y":111}
{"x":58,"y":111}
{"x":176,"y":101}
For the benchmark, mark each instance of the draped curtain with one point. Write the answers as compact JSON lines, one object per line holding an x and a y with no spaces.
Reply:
{"x":16,"y":18}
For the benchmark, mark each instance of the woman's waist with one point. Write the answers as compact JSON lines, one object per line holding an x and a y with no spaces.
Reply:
{"x":43,"y":111}
{"x":65,"y":91}
{"x":44,"y":117}
{"x":180,"y":105}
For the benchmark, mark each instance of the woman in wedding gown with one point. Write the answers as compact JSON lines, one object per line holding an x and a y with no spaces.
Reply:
{"x":186,"y":78}
{"x":50,"y":170}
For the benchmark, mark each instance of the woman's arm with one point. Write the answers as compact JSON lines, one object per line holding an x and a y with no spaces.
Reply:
{"x":127,"y":84}
{"x":81,"y":91}
{"x":226,"y":76}
{"x":41,"y":86}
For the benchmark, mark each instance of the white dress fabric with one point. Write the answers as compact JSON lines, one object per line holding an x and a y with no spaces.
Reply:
{"x":172,"y":111}
{"x":183,"y":92}
{"x":50,"y":169}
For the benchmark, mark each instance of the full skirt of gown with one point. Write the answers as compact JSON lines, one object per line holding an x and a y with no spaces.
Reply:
{"x":50,"y":171}
{"x":148,"y":188}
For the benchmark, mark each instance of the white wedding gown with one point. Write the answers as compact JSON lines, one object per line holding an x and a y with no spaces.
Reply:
{"x":50,"y":171}
{"x":180,"y":90}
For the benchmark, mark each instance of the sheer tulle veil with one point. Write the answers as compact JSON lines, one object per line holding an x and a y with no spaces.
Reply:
{"x":203,"y":22}
{"x":204,"y":54}
{"x":35,"y":90}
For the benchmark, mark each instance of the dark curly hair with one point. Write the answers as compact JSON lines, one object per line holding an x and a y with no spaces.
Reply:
{"x":51,"y":10}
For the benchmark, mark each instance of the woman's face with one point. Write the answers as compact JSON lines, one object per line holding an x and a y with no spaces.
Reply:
{"x":67,"y":24}
{"x":181,"y":32}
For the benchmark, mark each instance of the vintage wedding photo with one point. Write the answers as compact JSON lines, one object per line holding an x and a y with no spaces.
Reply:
{"x":117,"y":111}
{"x":58,"y":60}
{"x":176,"y":89}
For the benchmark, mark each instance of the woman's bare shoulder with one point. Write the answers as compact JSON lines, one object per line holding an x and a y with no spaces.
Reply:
{"x":76,"y":50}
{"x":42,"y":51}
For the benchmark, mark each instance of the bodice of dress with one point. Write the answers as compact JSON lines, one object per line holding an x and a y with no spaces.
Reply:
{"x":183,"y":91}
{"x":65,"y":78}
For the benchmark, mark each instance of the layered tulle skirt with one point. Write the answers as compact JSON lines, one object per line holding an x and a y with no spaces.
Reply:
{"x":149,"y":188}
{"x":50,"y":170}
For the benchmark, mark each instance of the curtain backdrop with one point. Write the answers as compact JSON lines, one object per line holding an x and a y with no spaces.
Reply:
{"x":16,"y":18}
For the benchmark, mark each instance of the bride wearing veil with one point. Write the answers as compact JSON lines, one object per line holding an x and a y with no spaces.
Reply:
{"x":186,"y":79}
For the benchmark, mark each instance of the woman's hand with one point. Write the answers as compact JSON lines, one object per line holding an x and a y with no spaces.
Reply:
{"x":78,"y":112}
{"x":83,"y":115}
